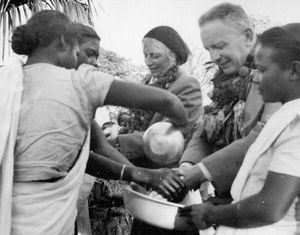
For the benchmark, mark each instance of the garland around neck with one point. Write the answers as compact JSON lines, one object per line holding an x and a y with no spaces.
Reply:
{"x":223,"y":117}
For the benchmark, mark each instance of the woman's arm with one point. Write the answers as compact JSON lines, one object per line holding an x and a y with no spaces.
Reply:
{"x":264,"y":208}
{"x":133,"y":95}
{"x":165,"y":181}
{"x":100,"y":145}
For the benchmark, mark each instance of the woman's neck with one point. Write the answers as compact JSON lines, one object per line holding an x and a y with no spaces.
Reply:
{"x":42,"y":55}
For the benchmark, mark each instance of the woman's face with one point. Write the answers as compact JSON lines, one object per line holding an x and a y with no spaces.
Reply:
{"x":89,"y":51}
{"x":157,"y":56}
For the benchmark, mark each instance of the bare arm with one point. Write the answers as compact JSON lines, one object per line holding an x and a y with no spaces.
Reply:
{"x":264,"y":208}
{"x":133,"y":95}
{"x":100,"y":145}
{"x":165,"y":181}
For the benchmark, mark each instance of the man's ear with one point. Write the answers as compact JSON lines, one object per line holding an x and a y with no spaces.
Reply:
{"x":250,"y":37}
{"x":295,"y":71}
{"x":61,"y":43}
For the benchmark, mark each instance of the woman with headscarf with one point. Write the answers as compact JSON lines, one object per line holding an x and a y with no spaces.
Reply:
{"x":164,"y":51}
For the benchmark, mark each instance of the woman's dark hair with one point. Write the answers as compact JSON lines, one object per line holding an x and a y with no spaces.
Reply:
{"x":86,"y":32}
{"x":285,"y":43}
{"x":41,"y":29}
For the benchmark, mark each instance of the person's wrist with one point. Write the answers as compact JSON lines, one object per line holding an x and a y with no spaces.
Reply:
{"x":135,"y":174}
{"x":205,"y":174}
{"x":209,"y":214}
{"x":198,"y":176}
{"x":128,"y":173}
{"x":186,"y":164}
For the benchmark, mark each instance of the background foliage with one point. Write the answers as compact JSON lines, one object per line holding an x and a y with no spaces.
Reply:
{"x":16,"y":12}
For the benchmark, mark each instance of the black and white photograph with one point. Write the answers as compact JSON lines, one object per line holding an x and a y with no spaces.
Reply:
{"x":149,"y":117}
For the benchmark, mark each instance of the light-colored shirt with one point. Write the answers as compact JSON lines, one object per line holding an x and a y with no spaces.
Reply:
{"x":281,"y":157}
{"x":57,"y":108}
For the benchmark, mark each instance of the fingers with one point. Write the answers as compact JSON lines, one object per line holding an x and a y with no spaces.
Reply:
{"x":178,"y":177}
{"x":174,"y":190}
{"x":169,"y":189}
{"x":167,"y":182}
{"x":171,"y":182}
{"x":165,"y":192}
{"x":177,"y":188}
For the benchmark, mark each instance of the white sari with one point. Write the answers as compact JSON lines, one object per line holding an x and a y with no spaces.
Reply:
{"x":49,"y":208}
{"x":32,"y":207}
{"x":11,"y":82}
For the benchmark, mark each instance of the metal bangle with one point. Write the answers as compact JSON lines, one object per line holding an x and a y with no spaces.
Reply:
{"x":122,"y":172}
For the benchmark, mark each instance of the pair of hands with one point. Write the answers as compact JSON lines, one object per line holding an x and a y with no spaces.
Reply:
{"x":167,"y":182}
{"x":173,"y":184}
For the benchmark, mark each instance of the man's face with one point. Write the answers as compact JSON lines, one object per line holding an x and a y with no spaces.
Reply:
{"x":89,"y":51}
{"x":274,"y":81}
{"x":227,"y":45}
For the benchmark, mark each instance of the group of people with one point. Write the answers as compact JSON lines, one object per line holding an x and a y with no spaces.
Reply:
{"x":244,"y":142}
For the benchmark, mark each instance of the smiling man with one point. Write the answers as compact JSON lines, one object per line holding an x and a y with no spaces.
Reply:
{"x":267,"y":187}
{"x":237,"y":113}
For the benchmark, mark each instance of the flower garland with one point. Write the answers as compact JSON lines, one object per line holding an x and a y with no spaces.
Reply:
{"x":140,"y":119}
{"x":223,"y":118}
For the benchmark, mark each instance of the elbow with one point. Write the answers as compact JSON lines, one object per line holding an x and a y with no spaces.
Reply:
{"x":272,"y":216}
{"x":276,"y":216}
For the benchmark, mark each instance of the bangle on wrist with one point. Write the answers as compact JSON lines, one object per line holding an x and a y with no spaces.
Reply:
{"x":122,"y":172}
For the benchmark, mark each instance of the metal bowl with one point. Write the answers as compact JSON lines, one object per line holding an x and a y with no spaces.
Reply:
{"x":153,"y":211}
{"x":163,"y":143}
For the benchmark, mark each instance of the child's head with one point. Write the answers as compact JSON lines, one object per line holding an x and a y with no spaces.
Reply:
{"x":277,"y":57}
{"x":45,"y":29}
{"x":89,"y":45}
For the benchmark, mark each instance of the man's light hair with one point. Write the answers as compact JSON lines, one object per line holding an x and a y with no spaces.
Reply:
{"x":228,"y":12}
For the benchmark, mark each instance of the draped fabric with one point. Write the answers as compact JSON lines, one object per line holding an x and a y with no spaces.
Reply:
{"x":250,"y":178}
{"x":11,"y":80}
{"x":49,"y":208}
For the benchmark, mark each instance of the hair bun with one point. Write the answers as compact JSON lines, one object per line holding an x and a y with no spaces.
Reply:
{"x":24,"y":39}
